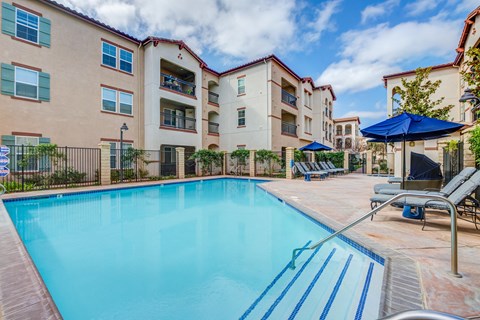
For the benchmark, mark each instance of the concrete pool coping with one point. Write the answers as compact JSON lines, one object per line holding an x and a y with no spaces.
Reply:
{"x":402,"y":286}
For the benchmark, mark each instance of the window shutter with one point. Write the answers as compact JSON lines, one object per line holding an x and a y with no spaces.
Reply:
{"x":8,"y":140}
{"x":44,"y":32}
{"x":43,"y":86}
{"x":8,"y":19}
{"x":8,"y":79}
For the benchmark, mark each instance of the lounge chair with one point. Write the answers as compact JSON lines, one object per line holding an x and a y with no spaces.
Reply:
{"x":332,"y":166}
{"x":457,"y":197}
{"x":301,"y":168}
{"x":460,"y":178}
{"x":325,"y":166}
{"x":318,"y":167}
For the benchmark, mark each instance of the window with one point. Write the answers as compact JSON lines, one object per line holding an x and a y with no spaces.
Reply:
{"x":110,"y":98}
{"x":126,"y":58}
{"x":241,"y":85}
{"x":109,"y":55}
{"x":26,"y":26}
{"x":115,"y":153}
{"x":170,"y":155}
{"x":241,"y":117}
{"x":308,"y":125}
{"x":26,"y":83}
{"x":21,"y":153}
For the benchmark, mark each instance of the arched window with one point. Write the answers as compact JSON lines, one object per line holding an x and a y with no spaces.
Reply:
{"x":348,"y":143}
{"x":339,"y":130}
{"x":348,"y":129}
{"x":396,"y":100}
{"x":339,"y":144}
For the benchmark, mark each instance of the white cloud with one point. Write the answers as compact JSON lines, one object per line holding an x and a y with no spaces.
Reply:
{"x":242,"y":29}
{"x":366,"y":114}
{"x":465,"y":5}
{"x":420,"y":6}
{"x":372,"y":12}
{"x":370,"y":54}
{"x":322,"y":20}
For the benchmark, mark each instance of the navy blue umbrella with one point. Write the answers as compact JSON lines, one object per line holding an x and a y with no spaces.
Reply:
{"x":314,"y":146}
{"x":410,"y":127}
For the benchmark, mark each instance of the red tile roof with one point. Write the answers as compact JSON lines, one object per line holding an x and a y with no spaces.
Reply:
{"x":181,"y":45}
{"x":412,"y":72}
{"x":466,"y":31}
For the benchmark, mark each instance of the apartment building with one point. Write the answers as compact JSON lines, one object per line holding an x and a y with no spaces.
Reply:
{"x":72,"y":80}
{"x":67,"y":79}
{"x":347,"y":133}
{"x":451,"y":88}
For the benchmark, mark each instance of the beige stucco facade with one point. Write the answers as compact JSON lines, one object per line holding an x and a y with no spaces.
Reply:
{"x":347,"y":133}
{"x":74,"y":115}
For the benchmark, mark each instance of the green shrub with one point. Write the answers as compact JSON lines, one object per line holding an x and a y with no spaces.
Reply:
{"x":71,"y":176}
{"x":335,"y":157}
{"x":143,"y":173}
{"x":14,"y":186}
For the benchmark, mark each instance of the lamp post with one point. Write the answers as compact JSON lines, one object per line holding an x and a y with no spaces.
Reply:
{"x":122,"y":128}
{"x":469,"y":96}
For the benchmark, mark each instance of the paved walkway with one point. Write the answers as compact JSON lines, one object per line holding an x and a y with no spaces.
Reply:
{"x":341,"y":200}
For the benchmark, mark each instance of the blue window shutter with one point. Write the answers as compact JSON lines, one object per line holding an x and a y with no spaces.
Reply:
{"x":43,"y":86}
{"x":8,"y":79}
{"x":8,"y":19}
{"x":44,"y":32}
{"x":8,"y":140}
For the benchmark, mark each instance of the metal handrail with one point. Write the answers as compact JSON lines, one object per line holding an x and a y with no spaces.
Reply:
{"x":2,"y":189}
{"x":453,"y":217}
{"x":421,"y":314}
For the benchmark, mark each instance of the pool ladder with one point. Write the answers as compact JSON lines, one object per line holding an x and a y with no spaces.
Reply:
{"x":2,"y":189}
{"x":453,"y":218}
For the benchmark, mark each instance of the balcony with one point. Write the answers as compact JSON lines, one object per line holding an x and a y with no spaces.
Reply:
{"x":213,"y":127}
{"x":289,"y":98}
{"x":289,"y":128}
{"x":169,"y":119}
{"x":213,"y":97}
{"x":173,"y":83}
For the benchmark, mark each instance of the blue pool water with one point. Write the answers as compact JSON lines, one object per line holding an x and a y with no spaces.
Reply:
{"x":215,"y":249}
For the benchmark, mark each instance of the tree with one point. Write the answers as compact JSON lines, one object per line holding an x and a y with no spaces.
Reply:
{"x":208,"y":158}
{"x":268,"y":158}
{"x":241,"y":155}
{"x":471,"y":72}
{"x":415,"y":96}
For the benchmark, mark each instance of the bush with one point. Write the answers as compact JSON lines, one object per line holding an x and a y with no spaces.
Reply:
{"x":13,"y":186}
{"x":143,"y":173}
{"x":268,"y":158}
{"x":71,"y":176}
{"x":335,"y":157}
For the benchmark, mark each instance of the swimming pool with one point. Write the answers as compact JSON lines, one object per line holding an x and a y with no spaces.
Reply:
{"x":213,"y":249}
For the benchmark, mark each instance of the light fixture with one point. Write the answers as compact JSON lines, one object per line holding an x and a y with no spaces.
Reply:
{"x":469,"y":96}
{"x":122,"y":128}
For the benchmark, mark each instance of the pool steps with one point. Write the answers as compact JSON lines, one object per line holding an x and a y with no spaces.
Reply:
{"x":320,"y":288}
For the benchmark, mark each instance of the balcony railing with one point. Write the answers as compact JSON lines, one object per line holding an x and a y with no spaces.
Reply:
{"x":289,"y":98}
{"x":212,"y":97}
{"x":177,"y":122}
{"x":289,"y":128}
{"x":213,"y":127}
{"x":176,"y":84}
{"x":339,"y":132}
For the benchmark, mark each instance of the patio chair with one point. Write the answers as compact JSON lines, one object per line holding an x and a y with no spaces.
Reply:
{"x":456,"y":181}
{"x":325,"y":166}
{"x":302,"y":169}
{"x":332,"y":166}
{"x":457,"y":197}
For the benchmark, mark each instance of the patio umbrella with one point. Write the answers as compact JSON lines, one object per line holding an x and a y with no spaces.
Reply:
{"x":409,"y":127}
{"x":314,"y":146}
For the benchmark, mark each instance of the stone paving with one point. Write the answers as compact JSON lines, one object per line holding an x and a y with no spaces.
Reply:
{"x":417,"y":262}
{"x":416,"y":259}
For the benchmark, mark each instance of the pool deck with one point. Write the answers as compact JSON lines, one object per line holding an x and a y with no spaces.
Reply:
{"x":417,"y":262}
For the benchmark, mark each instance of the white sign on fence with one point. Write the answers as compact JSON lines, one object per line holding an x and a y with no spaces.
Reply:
{"x":4,"y":161}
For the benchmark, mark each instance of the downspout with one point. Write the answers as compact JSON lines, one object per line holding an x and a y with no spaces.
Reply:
{"x":141,"y":127}
{"x":269,"y":146}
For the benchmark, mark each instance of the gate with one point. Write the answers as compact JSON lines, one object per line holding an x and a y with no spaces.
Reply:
{"x":356,"y":162}
{"x":452,"y":162}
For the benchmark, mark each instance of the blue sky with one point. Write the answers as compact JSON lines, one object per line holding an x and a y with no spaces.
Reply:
{"x":350,"y":44}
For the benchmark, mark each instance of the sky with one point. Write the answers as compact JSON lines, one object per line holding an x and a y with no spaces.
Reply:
{"x":350,"y":44}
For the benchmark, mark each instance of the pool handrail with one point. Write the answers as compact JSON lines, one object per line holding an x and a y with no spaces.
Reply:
{"x":2,"y":189}
{"x":453,"y":218}
{"x":421,"y":314}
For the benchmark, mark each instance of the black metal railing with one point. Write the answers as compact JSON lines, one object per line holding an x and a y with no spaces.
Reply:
{"x":213,"y":97}
{"x":289,"y":128}
{"x":289,"y":98}
{"x":170,"y":82}
{"x":213,"y":127}
{"x":339,"y":132}
{"x":348,"y":131}
{"x":177,"y":122}
{"x":49,"y":166}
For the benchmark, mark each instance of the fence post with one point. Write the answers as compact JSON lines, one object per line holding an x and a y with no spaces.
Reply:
{"x":224,"y":164}
{"x":104,"y":171}
{"x":252,"y":163}
{"x":346,"y":160}
{"x":66,"y":164}
{"x":289,"y":156}
{"x":369,"y":161}
{"x":180,"y":162}
{"x":23,"y":167}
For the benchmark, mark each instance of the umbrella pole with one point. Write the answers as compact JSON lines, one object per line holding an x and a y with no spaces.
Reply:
{"x":404,"y":169}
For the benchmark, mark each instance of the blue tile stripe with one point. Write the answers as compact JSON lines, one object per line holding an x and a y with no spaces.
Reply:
{"x":372,"y":255}
{"x":289,"y":285}
{"x":363,"y":298}
{"x":155,"y":185}
{"x":325,"y":311}
{"x":310,"y":287}
{"x":255,"y":303}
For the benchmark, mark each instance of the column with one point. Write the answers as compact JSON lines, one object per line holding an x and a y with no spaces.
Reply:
{"x":369,"y":161}
{"x":224,"y":166}
{"x":289,"y":158}
{"x":346,"y":161}
{"x":180,"y":162}
{"x":104,"y":170}
{"x":252,"y":163}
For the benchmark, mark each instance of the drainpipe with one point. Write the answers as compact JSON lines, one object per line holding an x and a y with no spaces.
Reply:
{"x":269,"y":146}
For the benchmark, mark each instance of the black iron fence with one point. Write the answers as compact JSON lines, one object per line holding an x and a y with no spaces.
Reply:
{"x":289,"y":128}
{"x":177,"y":84}
{"x":176,"y":121}
{"x":48,"y":167}
{"x":289,"y":98}
{"x":452,"y":162}
{"x":213,"y":97}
